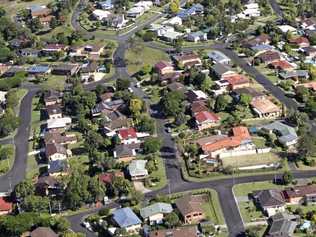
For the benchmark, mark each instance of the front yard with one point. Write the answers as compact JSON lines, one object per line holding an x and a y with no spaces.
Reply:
{"x":159,"y":176}
{"x":6,"y":164}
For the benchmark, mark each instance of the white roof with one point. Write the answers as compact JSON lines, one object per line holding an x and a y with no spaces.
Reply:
{"x":101,"y":14}
{"x":173,"y":21}
{"x":58,"y":122}
{"x":2,"y":96}
{"x":172,"y":34}
{"x":286,"y":28}
{"x":138,"y":168}
{"x":145,"y":4}
{"x":252,"y":6}
{"x":200,"y":94}
{"x":135,"y":10}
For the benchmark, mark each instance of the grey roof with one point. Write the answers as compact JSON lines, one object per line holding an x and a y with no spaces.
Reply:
{"x":217,"y":56}
{"x":156,"y":208}
{"x":137,"y":168}
{"x":291,"y":74}
{"x":123,"y":150}
{"x":269,"y":198}
{"x":282,"y":225}
{"x":262,"y":47}
{"x":220,"y":69}
{"x":125,"y":217}
{"x":197,"y":34}
{"x":286,"y":132}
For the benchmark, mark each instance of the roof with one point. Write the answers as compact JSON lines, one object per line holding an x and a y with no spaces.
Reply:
{"x":269,"y":198}
{"x":48,"y":180}
{"x":162,"y":64}
{"x":269,"y":56}
{"x":127,"y":133}
{"x":54,"y":47}
{"x":43,"y":231}
{"x":57,"y":137}
{"x":57,"y":166}
{"x":249,"y":91}
{"x":137,"y":168}
{"x":241,"y":132}
{"x":236,"y":79}
{"x":282,"y":64}
{"x":218,"y":56}
{"x":299,"y":191}
{"x":286,"y":28}
{"x":53,"y":148}
{"x":310,"y":85}
{"x":221,"y":69}
{"x":125,"y":217}
{"x":123,"y":150}
{"x":206,"y":116}
{"x":5,"y":204}
{"x":38,"y":69}
{"x":66,"y":67}
{"x":185,"y":231}
{"x":286,"y":133}
{"x":198,"y":106}
{"x":283,"y":224}
{"x":156,"y":208}
{"x":188,"y":204}
{"x":187,"y":57}
{"x":299,"y":40}
{"x":264,"y":105}
{"x":53,"y":109}
{"x":58,"y":122}
{"x":176,"y":86}
{"x":196,"y":95}
{"x":293,"y":74}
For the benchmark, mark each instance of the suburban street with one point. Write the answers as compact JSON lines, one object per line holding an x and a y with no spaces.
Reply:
{"x":176,"y":181}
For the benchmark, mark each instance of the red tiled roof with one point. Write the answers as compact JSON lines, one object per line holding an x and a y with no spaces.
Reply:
{"x":127,"y":133}
{"x":281,"y":64}
{"x":299,"y":191}
{"x":204,"y":116}
{"x":299,"y":40}
{"x":309,"y":85}
{"x":236,"y":79}
{"x":241,"y":132}
{"x":5,"y":205}
{"x":162,"y":64}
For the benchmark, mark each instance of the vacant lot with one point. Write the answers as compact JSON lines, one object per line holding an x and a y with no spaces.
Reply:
{"x":249,"y":160}
{"x":13,"y":7}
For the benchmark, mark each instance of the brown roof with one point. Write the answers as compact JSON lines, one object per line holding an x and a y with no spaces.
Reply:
{"x":56,"y":137}
{"x":198,"y":106}
{"x":188,"y":204}
{"x":43,"y":232}
{"x":188,"y":231}
{"x":54,"y":148}
{"x":176,"y":86}
{"x":106,"y":96}
{"x":53,"y":109}
{"x":269,"y":56}
{"x":264,"y":105}
{"x":236,"y":79}
{"x":299,"y":191}
{"x":162,"y":64}
{"x":48,"y":180}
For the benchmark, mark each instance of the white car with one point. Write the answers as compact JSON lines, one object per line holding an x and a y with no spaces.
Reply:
{"x":87,"y":225}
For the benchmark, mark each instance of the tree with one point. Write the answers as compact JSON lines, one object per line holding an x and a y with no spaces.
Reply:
{"x":146,"y":69}
{"x":121,"y":186}
{"x":34,"y":203}
{"x":152,"y":145}
{"x":24,"y":189}
{"x":222,"y":103}
{"x":6,"y":152}
{"x":96,"y":189}
{"x":135,"y":106}
{"x":104,"y":211}
{"x":287,"y":177}
{"x":5,"y":54}
{"x":245,"y":99}
{"x":72,"y":234}
{"x":172,"y":219}
{"x":172,"y":103}
{"x":136,"y":197}
{"x":174,"y":6}
{"x":122,"y":84}
{"x":145,"y":124}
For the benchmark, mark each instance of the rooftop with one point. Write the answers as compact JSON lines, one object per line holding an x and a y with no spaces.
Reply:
{"x":125,"y":217}
{"x":156,"y":208}
{"x":264,"y":105}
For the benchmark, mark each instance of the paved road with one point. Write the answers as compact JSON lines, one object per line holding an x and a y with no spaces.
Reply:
{"x":17,"y":173}
{"x":276,"y":8}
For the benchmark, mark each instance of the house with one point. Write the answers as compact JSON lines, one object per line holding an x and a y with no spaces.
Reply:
{"x":281,"y":65}
{"x":219,"y":146}
{"x":197,"y":107}
{"x":155,"y":213}
{"x":45,"y":21}
{"x":100,"y":15}
{"x":300,"y":195}
{"x":3,"y":68}
{"x":169,"y":77}
{"x":108,"y":177}
{"x":254,"y":93}
{"x":169,"y":34}
{"x":196,"y":95}
{"x":265,"y":108}
{"x":137,"y":169}
{"x":235,"y":81}
{"x":220,"y":70}
{"x":39,"y":11}
{"x":125,"y":153}
{"x":126,"y":219}
{"x":110,"y":127}
{"x":310,"y":52}
{"x":48,"y":186}
{"x":195,"y":9}
{"x":53,"y":48}
{"x":106,"y":5}
{"x":135,"y":12}
{"x":270,"y":201}
{"x":287,"y":28}
{"x":163,"y":67}
{"x":54,"y":151}
{"x":190,"y":208}
{"x":118,"y":21}
{"x":52,"y":97}
{"x":176,"y":86}
{"x":43,"y":231}
{"x":66,"y":69}
{"x":39,"y":69}
{"x":6,"y":206}
{"x":128,"y":136}
{"x":184,"y":231}
{"x":144,"y":4}
{"x":310,"y":85}
{"x":301,"y":42}
{"x":282,"y":224}
{"x":88,"y":71}
{"x":197,"y":36}
{"x":107,"y":108}
{"x":250,"y":10}
{"x":29,"y":52}
{"x":173,"y":21}
{"x":205,"y":120}
{"x":58,"y":123}
{"x":59,"y":138}
{"x":58,"y":168}
{"x":262,"y":39}
{"x":268,"y":57}
{"x":53,"y":111}
{"x":287,"y":135}
{"x":294,"y":75}
{"x":187,"y":60}
{"x":218,"y":57}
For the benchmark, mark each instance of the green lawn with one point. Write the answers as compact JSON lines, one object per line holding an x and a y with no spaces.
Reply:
{"x":249,"y":160}
{"x":259,"y":142}
{"x":6,"y":165}
{"x":245,"y":189}
{"x":137,"y":59}
{"x":249,"y":212}
{"x":160,"y":174}
{"x":269,"y":73}
{"x":54,"y":82}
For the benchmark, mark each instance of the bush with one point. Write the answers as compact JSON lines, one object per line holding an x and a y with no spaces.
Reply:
{"x":104,"y":212}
